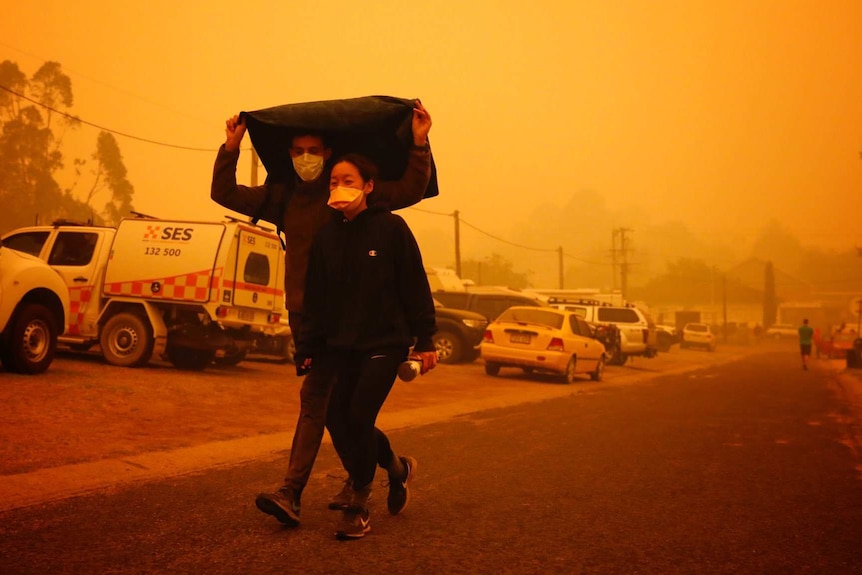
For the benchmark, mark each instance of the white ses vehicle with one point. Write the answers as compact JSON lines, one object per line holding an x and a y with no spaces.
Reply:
{"x":34,"y":311}
{"x":543,"y":339}
{"x":176,"y":290}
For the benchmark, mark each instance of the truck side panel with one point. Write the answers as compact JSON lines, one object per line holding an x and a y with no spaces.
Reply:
{"x":165,"y":260}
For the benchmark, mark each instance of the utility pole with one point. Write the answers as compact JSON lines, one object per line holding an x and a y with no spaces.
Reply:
{"x":624,"y":262}
{"x":724,"y":305}
{"x":457,"y":243}
{"x":614,"y":258}
{"x":562,"y":282}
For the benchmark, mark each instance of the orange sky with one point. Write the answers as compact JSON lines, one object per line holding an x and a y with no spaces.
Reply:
{"x":721,"y":115}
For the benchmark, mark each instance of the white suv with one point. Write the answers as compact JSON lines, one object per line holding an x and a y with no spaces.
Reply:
{"x":637,"y":332}
{"x":34,"y":311}
{"x":698,"y":335}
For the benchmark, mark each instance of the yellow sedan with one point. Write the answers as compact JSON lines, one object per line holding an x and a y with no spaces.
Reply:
{"x":543,"y":339}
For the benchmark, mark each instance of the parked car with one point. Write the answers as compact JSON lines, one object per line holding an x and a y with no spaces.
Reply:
{"x":637,"y":331}
{"x":545,"y":340}
{"x":698,"y":335}
{"x":34,"y":311}
{"x":782,"y":330}
{"x":488,"y":301}
{"x":459,"y":333}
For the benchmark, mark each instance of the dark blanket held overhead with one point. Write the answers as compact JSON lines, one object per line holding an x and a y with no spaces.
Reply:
{"x":379,"y":127}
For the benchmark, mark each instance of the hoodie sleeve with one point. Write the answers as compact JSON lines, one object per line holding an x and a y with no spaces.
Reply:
{"x":254,"y":201}
{"x":415,"y":290}
{"x":410,"y":189}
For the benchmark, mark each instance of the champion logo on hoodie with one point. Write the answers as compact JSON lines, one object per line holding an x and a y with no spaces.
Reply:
{"x":372,"y":253}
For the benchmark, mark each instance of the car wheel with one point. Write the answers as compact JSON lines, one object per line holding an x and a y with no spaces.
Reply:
{"x":127,"y":340}
{"x":570,"y":370}
{"x":190,"y":358}
{"x":231,"y":357}
{"x":449,"y":347}
{"x":599,"y":371}
{"x":32,"y":340}
{"x":492,"y":368}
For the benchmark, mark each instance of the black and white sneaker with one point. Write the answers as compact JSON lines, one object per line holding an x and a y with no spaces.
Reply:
{"x":399,"y":493}
{"x":355,"y":523}
{"x":283,"y":505}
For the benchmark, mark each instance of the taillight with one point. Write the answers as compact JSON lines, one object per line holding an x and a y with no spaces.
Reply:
{"x":488,"y":337}
{"x":556,"y":345}
{"x":221,"y":311}
{"x":273,"y":318}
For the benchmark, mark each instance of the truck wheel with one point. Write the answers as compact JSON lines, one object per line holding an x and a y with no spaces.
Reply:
{"x":127,"y":340}
{"x":32,"y":340}
{"x":492,"y":368}
{"x":231,"y":357}
{"x":189,"y":357}
{"x":449,"y":347}
{"x":290,"y":350}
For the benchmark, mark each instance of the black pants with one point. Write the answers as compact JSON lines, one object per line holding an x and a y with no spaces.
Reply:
{"x":363,"y":381}
{"x":314,"y":398}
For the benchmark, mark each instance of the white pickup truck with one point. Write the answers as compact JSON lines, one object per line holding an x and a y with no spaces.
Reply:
{"x":637,"y":331}
{"x":34,"y":310}
{"x":183,"y":291}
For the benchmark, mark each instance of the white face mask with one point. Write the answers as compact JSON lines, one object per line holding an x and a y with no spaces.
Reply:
{"x":308,"y":166}
{"x":344,"y":199}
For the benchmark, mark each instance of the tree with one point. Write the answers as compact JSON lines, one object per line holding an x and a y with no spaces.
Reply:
{"x":110,"y":174}
{"x":34,"y":117}
{"x":494,"y":270}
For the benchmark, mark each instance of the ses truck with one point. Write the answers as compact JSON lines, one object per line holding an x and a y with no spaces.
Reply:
{"x":183,"y":291}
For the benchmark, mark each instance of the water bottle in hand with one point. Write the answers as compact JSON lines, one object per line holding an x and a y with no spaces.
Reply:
{"x":409,"y":369}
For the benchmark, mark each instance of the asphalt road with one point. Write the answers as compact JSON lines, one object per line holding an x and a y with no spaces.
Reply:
{"x":747,"y":467}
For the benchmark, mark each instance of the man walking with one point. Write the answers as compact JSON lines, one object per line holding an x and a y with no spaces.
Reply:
{"x":806,"y":334}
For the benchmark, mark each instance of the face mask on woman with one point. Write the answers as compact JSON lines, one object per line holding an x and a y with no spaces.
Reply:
{"x":308,"y":166}
{"x":344,"y":199}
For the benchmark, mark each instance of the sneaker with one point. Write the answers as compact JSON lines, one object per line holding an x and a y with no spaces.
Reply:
{"x":283,"y":505}
{"x":399,"y":494}
{"x":355,"y":523}
{"x":342,"y":499}
{"x":355,"y":520}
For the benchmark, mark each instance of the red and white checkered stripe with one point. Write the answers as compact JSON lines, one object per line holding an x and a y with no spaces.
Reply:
{"x":79,"y":297}
{"x":195,"y":286}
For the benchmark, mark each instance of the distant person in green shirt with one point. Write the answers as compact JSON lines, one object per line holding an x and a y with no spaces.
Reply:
{"x":806,"y":334}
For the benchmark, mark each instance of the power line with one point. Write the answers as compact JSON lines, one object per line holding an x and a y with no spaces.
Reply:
{"x":76,"y":119}
{"x":70,"y":71}
{"x":499,"y":239}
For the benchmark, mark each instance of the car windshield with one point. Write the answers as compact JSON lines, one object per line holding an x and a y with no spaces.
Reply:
{"x":533,"y":315}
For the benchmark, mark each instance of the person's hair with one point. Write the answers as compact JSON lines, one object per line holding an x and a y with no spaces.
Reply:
{"x":324,"y":137}
{"x":367,"y":169}
{"x":805,"y":320}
